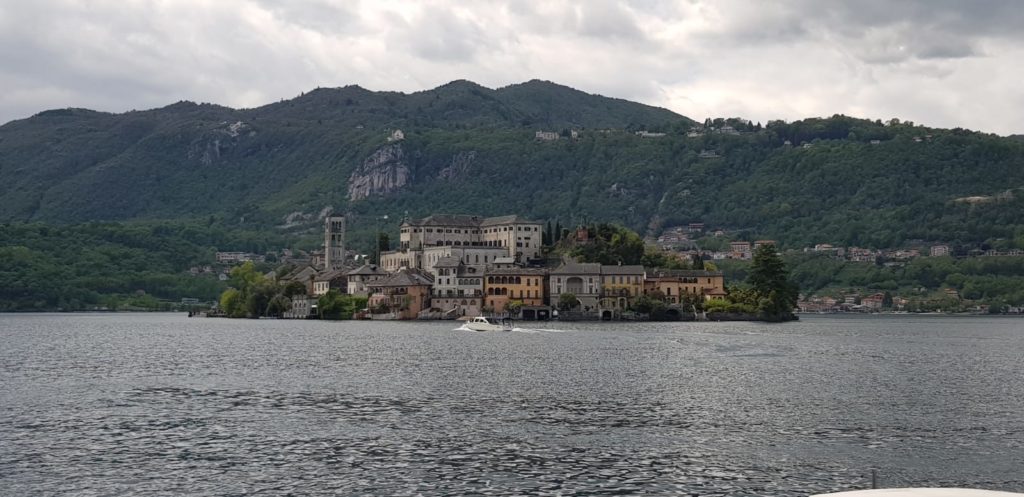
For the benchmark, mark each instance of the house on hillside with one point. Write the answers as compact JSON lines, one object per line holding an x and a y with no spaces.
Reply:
{"x":739,"y":250}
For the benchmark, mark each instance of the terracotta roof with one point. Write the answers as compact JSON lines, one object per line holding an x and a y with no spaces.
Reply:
{"x":446,"y":220}
{"x":331,"y":275}
{"x":516,"y":271}
{"x":301,"y":273}
{"x":616,"y":269}
{"x":682,"y":273}
{"x":366,"y":269}
{"x":577,"y":268}
{"x":404,"y":278}
{"x":491,"y":221}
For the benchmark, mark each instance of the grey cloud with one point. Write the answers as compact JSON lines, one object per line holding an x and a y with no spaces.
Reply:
{"x":440,"y":36}
{"x":319,"y":15}
{"x":607,"y":20}
{"x":786,"y":59}
{"x":876,"y":31}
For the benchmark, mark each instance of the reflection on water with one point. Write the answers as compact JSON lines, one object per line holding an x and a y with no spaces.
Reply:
{"x":105,"y":404}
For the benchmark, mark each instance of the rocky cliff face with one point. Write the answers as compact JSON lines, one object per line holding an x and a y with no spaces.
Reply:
{"x":383,"y":172}
{"x":459,"y":166}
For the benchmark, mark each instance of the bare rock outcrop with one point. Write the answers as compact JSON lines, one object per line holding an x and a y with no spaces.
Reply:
{"x":459,"y":165}
{"x":385,"y":171}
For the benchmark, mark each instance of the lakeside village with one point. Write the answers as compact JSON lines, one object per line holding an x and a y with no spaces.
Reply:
{"x":462,"y":266}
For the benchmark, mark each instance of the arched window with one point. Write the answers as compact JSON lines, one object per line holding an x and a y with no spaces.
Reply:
{"x":490,"y":279}
{"x":518,"y":281}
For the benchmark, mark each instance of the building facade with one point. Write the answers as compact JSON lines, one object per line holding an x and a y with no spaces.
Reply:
{"x":620,"y":285}
{"x":458,"y":288}
{"x":519,"y":237}
{"x":402,"y":295}
{"x":679,"y":285}
{"x":359,"y":279}
{"x":476,"y":257}
{"x":580,"y":279}
{"x":334,"y":242}
{"x":333,"y":279}
{"x":525,"y":285}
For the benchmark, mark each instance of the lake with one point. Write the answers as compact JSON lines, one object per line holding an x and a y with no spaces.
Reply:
{"x":104,"y":404}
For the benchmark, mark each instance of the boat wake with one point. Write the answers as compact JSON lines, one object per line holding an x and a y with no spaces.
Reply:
{"x":516,"y":330}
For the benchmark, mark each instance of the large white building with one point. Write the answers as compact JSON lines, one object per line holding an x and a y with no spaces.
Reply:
{"x":521,"y":238}
{"x":473,"y":240}
{"x":334,"y":242}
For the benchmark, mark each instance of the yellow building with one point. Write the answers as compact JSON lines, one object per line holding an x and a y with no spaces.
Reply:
{"x":526,"y":285}
{"x":620,"y":285}
{"x":676,"y":284}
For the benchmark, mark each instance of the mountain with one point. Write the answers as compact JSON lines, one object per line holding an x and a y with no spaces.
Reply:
{"x":192,"y":159}
{"x":469,"y":149}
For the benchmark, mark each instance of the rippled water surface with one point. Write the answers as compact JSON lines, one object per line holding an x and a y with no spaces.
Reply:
{"x":162,"y":404}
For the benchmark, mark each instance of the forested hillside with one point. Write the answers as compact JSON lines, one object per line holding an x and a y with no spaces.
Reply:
{"x":469,"y":149}
{"x":71,"y":267}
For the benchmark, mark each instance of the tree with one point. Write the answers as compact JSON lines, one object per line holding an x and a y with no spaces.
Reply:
{"x":383,"y":242}
{"x":231,"y":303}
{"x":293,"y":288}
{"x":887,"y":300}
{"x":776,"y":295}
{"x":513,"y":307}
{"x":567,"y":301}
{"x":245,"y":276}
{"x":335,"y":305}
{"x":258,"y":298}
{"x":278,"y":305}
{"x":611,"y":244}
{"x":697,"y":262}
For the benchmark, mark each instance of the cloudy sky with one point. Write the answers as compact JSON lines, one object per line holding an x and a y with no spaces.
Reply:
{"x":936,"y":62}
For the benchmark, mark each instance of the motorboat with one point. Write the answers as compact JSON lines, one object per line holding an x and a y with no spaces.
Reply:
{"x":481,"y":323}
